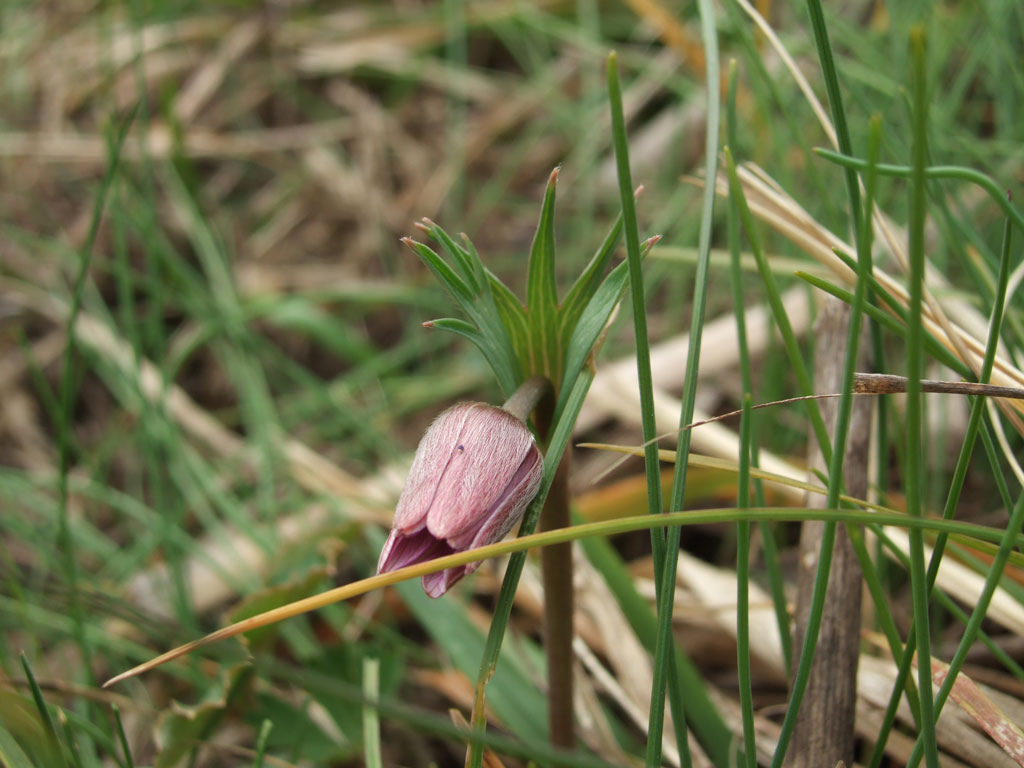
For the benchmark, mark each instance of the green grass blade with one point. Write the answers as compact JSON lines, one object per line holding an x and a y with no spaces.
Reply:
{"x":959,"y":173}
{"x":122,"y":737}
{"x":561,"y":433}
{"x":261,"y":742}
{"x":371,"y":721}
{"x":778,"y":310}
{"x":743,"y":590}
{"x":667,"y":574}
{"x":65,"y":544}
{"x":959,"y":475}
{"x":49,"y":728}
{"x":649,"y":430}
{"x":12,"y":755}
{"x":844,"y":408}
{"x":776,"y":580}
{"x":915,"y":477}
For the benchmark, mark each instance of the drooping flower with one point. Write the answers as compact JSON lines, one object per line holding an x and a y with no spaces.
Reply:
{"x":475,"y":471}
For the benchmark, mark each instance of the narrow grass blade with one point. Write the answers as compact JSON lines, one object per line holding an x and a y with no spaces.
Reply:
{"x":65,"y":544}
{"x":12,"y":755}
{"x":667,"y":574}
{"x":959,"y":476}
{"x":49,"y":729}
{"x":914,"y":469}
{"x":775,"y":301}
{"x":371,"y":720}
{"x":743,"y":590}
{"x":649,"y":430}
{"x":956,"y":172}
{"x":775,"y":577}
{"x":122,"y":738}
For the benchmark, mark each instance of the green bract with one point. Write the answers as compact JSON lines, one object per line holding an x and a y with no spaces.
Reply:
{"x":544,"y":337}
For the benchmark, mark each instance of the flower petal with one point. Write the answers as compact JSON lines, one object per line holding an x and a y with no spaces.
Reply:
{"x":428,"y":468}
{"x":485,"y":458}
{"x":401,"y":550}
{"x":510,"y":506}
{"x":436,"y":584}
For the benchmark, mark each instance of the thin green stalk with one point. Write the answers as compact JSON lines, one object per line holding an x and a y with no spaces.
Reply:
{"x":743,"y":590}
{"x":835,"y":102}
{"x":914,"y":478}
{"x":789,"y":338}
{"x":956,"y":172}
{"x":122,"y":737}
{"x":667,"y":574}
{"x":261,"y":742}
{"x":960,"y":471}
{"x":65,"y":545}
{"x":775,"y":577}
{"x":49,"y":729}
{"x":503,"y":609}
{"x":371,"y":716}
{"x":648,"y":428}
{"x":844,"y":411}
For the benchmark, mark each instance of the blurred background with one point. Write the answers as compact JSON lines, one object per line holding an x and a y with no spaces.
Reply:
{"x":228,"y":426}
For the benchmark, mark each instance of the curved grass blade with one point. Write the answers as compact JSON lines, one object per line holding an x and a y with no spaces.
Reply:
{"x":614,"y":527}
{"x":956,"y":172}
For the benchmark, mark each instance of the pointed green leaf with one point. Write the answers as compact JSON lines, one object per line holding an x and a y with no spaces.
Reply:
{"x":506,"y":374}
{"x":444,"y":273}
{"x":586,"y":336}
{"x":467,"y":261}
{"x":587,"y":283}
{"x":513,"y":315}
{"x":541,"y":297}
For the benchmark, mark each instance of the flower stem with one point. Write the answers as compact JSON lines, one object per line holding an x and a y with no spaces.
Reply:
{"x":557,"y":576}
{"x":525,"y":399}
{"x":557,"y":569}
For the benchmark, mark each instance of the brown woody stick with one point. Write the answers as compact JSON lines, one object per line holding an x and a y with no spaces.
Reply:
{"x":824,"y":730}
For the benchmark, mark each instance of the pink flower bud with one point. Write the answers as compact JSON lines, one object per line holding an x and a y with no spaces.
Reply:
{"x":476,"y":470}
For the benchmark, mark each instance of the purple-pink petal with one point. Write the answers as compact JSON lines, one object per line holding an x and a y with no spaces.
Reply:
{"x":475,"y":471}
{"x":486,"y":456}
{"x":428,"y":467}
{"x":401,"y":550}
